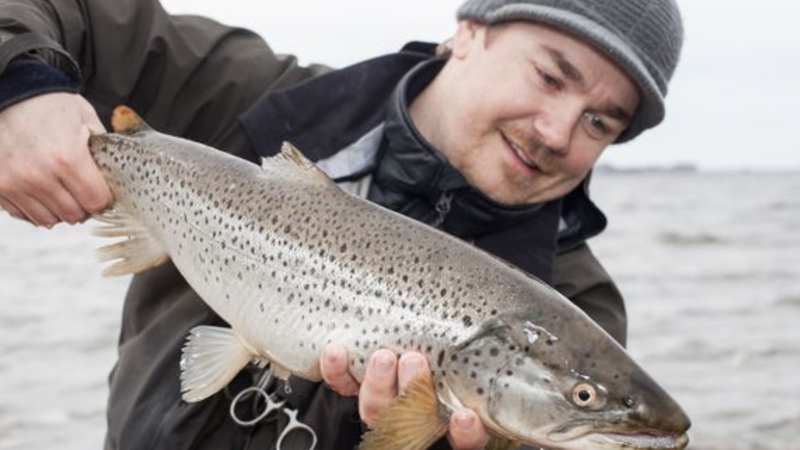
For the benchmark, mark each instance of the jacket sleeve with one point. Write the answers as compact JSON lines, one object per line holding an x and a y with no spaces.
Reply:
{"x":581,"y":278}
{"x":186,"y":75}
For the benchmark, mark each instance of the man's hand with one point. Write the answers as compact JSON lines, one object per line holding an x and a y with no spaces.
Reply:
{"x":386,"y":377}
{"x":46,"y":172}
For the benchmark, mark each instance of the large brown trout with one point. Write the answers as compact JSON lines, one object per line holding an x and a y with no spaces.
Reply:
{"x":293,"y":263}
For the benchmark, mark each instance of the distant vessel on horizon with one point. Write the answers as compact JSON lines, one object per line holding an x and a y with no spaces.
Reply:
{"x":673,"y":168}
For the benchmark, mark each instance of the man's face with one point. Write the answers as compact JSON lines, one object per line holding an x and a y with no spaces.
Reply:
{"x":523,"y":111}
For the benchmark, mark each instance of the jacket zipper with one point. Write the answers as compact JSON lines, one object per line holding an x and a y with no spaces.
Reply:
{"x":443,"y":208}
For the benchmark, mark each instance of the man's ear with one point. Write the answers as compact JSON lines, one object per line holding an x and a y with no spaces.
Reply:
{"x":467,"y":34}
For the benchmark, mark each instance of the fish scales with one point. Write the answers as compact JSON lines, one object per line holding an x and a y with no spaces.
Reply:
{"x":324,"y":266}
{"x":292,"y":263}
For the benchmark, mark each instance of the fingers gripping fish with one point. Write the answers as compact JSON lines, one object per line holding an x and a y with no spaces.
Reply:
{"x":293,"y":263}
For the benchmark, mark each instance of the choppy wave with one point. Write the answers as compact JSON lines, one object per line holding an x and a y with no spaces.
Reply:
{"x":713,"y":314}
{"x":689,"y":239}
{"x":791,"y":301}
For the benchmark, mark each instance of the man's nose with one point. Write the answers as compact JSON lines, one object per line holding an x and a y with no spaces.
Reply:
{"x":556,"y":127}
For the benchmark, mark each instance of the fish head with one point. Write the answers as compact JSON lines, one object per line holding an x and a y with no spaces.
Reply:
{"x":562,"y":386}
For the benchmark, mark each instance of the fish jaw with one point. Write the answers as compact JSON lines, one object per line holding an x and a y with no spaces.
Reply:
{"x":528,"y":403}
{"x":524,"y":377}
{"x":579,"y":439}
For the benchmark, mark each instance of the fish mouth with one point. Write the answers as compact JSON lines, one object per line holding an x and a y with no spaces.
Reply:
{"x":627,"y":441}
{"x":640,"y":441}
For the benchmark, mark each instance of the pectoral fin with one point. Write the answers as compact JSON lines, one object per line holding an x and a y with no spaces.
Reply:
{"x":141,"y":251}
{"x":414,"y":421}
{"x":211,"y":358}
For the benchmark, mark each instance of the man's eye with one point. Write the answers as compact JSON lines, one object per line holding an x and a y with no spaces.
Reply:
{"x":596,"y":124}
{"x":549,"y":80}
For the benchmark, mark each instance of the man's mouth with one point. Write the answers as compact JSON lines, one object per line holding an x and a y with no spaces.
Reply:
{"x":521,"y":154}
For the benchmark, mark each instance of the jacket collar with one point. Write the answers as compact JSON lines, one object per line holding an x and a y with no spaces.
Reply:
{"x":414,"y":177}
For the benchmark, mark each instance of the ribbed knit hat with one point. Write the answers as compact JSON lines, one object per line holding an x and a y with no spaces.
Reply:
{"x":643,"y":36}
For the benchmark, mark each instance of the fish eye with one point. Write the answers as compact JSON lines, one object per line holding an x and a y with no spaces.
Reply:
{"x":584,"y":394}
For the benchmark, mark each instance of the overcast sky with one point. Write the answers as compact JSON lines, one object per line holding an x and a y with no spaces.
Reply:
{"x":733,"y":104}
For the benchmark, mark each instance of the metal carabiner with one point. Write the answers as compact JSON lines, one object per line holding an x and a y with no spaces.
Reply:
{"x":260,"y":389}
{"x":293,"y":425}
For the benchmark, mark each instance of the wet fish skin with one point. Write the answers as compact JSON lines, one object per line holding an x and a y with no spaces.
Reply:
{"x":529,"y":392}
{"x":292,"y":263}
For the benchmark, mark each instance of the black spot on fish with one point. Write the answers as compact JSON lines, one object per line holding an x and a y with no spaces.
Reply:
{"x":480,"y":391}
{"x":628,"y":401}
{"x":494,"y":351}
{"x":467,"y":321}
{"x":440,"y":358}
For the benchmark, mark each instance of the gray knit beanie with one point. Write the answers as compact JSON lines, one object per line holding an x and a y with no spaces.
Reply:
{"x":643,"y":36}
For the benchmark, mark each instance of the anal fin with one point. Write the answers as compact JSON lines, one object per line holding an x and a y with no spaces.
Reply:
{"x":211,"y":358}
{"x":414,"y":421}
{"x":141,"y":251}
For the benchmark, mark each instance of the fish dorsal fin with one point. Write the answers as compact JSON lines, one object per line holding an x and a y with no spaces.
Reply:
{"x":291,"y":162}
{"x":414,"y":421}
{"x":125,"y":121}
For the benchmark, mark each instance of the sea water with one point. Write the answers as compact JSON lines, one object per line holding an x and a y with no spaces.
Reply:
{"x":709,"y":264}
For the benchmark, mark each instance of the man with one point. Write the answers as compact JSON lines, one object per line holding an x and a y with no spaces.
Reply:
{"x":491,"y":140}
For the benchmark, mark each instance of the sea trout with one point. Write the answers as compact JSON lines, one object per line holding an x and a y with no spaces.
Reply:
{"x":292,"y":263}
